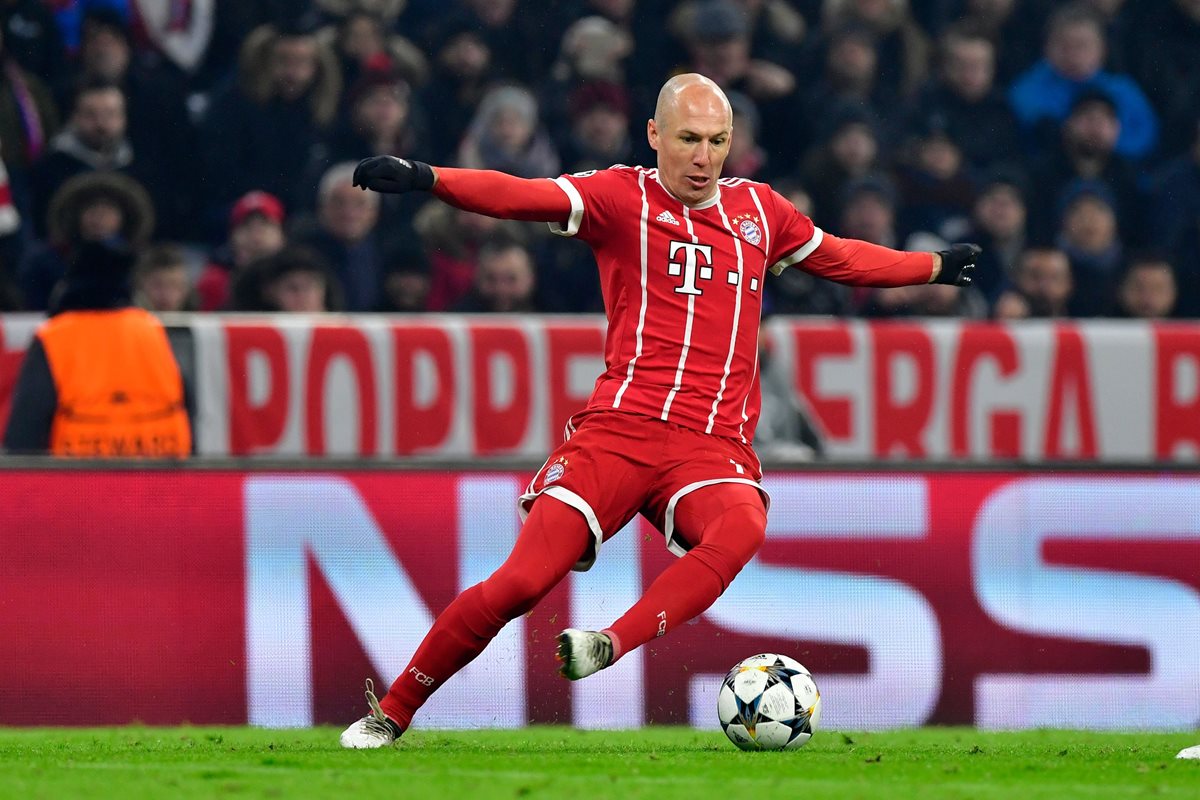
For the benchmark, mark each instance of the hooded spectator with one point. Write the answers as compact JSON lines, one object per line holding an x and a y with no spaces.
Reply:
{"x":91,"y":207}
{"x":506,"y":135}
{"x":406,"y":280}
{"x":1089,"y":236}
{"x":935,"y":187}
{"x":462,"y":73}
{"x":999,"y":223}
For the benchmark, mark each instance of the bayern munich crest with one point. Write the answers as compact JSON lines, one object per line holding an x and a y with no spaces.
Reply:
{"x":748,"y":228}
{"x":554,"y":472}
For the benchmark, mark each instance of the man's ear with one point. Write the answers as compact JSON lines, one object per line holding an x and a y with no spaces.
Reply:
{"x":652,"y":133}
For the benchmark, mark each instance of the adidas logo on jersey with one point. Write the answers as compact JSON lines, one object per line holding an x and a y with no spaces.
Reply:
{"x":666,"y":217}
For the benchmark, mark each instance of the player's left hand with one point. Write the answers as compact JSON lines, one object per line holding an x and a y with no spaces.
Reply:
{"x":958,"y":264}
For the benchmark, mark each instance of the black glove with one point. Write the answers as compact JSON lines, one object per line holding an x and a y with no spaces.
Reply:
{"x":958,"y":264}
{"x":393,"y":175}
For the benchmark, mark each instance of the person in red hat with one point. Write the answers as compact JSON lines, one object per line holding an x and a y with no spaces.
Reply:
{"x":255,"y":231}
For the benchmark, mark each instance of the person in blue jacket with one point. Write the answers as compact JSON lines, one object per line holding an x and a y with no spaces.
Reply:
{"x":1072,"y":63}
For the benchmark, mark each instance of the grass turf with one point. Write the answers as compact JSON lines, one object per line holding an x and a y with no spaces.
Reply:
{"x":657,"y":763}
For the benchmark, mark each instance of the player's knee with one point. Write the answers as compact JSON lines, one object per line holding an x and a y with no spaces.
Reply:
{"x":741,"y":532}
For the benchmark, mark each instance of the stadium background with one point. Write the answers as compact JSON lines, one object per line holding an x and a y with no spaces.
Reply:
{"x":973,"y":522}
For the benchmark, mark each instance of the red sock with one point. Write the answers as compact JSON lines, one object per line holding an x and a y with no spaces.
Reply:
{"x":729,"y":523}
{"x":553,"y":538}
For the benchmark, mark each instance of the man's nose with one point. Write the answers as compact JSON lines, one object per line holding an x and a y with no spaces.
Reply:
{"x":700,"y":156}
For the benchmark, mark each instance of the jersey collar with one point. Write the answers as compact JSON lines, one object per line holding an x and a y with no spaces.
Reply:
{"x":709,"y":203}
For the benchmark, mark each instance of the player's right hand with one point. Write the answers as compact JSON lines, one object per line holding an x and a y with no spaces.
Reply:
{"x":393,"y":175}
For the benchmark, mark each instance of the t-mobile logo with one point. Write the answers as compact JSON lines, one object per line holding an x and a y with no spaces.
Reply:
{"x":697,"y":263}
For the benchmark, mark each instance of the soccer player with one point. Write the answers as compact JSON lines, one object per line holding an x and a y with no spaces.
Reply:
{"x":683,"y":254}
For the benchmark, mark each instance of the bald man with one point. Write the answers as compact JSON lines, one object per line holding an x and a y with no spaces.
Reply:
{"x":667,"y":432}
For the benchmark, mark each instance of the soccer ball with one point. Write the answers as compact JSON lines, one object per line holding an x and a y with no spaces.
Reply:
{"x":769,"y":702}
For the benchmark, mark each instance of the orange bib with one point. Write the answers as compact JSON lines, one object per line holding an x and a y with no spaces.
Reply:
{"x":120,"y":393}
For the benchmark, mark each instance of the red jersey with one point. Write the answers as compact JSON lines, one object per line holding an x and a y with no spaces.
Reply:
{"x":683,"y":292}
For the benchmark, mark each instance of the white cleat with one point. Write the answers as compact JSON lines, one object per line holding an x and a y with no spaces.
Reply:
{"x":583,"y":653}
{"x":373,"y":730}
{"x":1189,"y":752}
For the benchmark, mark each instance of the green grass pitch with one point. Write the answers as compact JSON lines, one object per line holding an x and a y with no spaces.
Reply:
{"x":553,"y":762}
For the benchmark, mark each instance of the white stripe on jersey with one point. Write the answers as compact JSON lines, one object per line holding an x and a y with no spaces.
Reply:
{"x":762,"y":215}
{"x":576,"y":215}
{"x":804,"y":252}
{"x":637,"y":353}
{"x":687,"y":330}
{"x":737,"y":313}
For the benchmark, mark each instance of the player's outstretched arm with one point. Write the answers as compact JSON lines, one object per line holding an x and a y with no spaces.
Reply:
{"x":860,"y":263}
{"x":487,"y":192}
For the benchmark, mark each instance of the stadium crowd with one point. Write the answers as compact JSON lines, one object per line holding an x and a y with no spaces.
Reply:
{"x":217,"y":139}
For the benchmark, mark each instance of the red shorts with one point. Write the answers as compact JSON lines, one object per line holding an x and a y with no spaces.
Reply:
{"x":614,"y":465}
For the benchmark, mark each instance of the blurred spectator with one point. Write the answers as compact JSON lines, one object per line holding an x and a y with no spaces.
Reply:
{"x":95,"y":138}
{"x":795,"y":291}
{"x":965,"y":96}
{"x":295,"y":280}
{"x":936,"y":192}
{"x":255,"y":232}
{"x":28,"y":116}
{"x":162,"y":280}
{"x":1086,"y":152}
{"x":295,"y":285}
{"x":592,"y":54}
{"x":1074,"y":62}
{"x":1014,"y":28}
{"x":1042,"y":286}
{"x":868,"y":211}
{"x":406,"y":281}
{"x":99,"y":378}
{"x":1176,"y":193}
{"x":903,"y":49}
{"x":1147,"y":289}
{"x":92,"y":207}
{"x":452,"y":238}
{"x":1165,"y":51}
{"x":157,"y":123}
{"x":178,"y":32}
{"x":849,"y":151}
{"x":13,"y":241}
{"x":505,"y":281}
{"x":784,"y":430}
{"x":717,"y":37}
{"x":345,"y":236}
{"x":1089,"y":238}
{"x":999,"y":226}
{"x":462,"y":72}
{"x":848,"y":80}
{"x":506,"y":135}
{"x":68,"y":14}
{"x":599,"y":132}
{"x":32,"y":38}
{"x":364,"y":42}
{"x":1186,"y":258}
{"x":258,"y":130}
{"x":512,"y":34}
{"x":777,"y":30}
{"x":382,"y":119}
{"x":387,"y":11}
{"x":746,"y":158}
